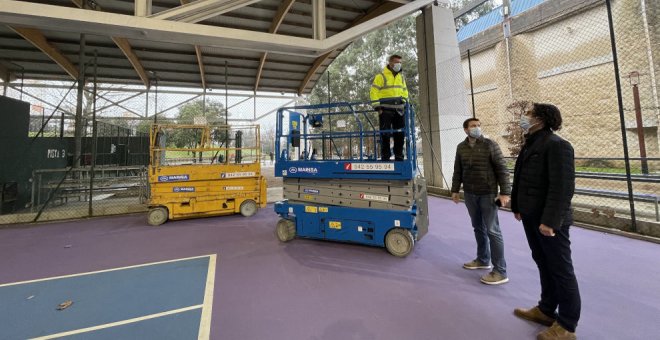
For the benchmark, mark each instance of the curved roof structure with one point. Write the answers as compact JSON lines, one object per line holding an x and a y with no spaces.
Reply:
{"x":264,"y":45}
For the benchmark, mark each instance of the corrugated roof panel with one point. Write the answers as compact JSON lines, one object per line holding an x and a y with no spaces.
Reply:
{"x":176,"y":63}
{"x":494,"y":17}
{"x":520,"y":6}
{"x":479,"y":25}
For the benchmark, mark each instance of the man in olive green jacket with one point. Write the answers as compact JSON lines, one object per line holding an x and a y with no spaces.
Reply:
{"x":481,"y":168}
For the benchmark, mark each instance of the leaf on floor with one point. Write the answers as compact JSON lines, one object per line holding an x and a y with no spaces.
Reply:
{"x":64,"y":305}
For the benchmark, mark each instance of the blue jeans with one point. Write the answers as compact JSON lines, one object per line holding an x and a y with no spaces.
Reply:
{"x":490,"y":244}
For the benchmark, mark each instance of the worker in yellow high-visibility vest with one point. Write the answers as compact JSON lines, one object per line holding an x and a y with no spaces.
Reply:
{"x":388,"y":95}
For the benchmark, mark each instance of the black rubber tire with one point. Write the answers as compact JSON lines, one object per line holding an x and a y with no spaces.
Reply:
{"x":157,"y":216}
{"x":399,"y":242}
{"x":248,"y":208}
{"x":285,"y":230}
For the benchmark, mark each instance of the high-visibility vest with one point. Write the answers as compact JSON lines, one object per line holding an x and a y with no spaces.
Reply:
{"x":387,"y":85}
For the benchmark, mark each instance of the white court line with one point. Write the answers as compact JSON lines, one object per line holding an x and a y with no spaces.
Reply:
{"x":205,"y":321}
{"x":118,"y":323}
{"x":106,"y":270}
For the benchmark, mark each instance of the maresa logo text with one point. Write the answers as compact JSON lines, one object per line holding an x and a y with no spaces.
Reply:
{"x":168,"y":178}
{"x":293,"y":170}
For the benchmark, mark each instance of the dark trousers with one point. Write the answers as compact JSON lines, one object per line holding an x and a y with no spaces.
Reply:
{"x":391,"y":120}
{"x":559,"y":287}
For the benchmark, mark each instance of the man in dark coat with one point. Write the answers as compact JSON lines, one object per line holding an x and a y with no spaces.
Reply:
{"x":543,"y":186}
{"x":481,"y":168}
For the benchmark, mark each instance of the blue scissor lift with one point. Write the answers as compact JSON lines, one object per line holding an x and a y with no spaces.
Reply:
{"x":335,"y":186}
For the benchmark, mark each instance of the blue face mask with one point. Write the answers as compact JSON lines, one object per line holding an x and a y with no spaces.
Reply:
{"x":525,"y":123}
{"x":474,"y":132}
{"x":397,"y":67}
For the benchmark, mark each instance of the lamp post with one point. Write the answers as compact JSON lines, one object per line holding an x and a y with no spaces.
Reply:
{"x":634,"y":82}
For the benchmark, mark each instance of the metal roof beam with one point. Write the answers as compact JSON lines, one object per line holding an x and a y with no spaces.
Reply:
{"x":200,"y":58}
{"x":372,"y":13}
{"x":318,"y":19}
{"x":317,"y":64}
{"x":142,"y":8}
{"x":125,"y":46}
{"x":201,"y":10}
{"x":36,"y":38}
{"x":347,"y":36}
{"x":100,"y":23}
{"x":200,"y":62}
{"x":284,"y":8}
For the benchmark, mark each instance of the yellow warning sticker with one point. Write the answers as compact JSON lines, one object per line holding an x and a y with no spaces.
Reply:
{"x":308,"y":197}
{"x":334,"y":224}
{"x":311,"y":209}
{"x":323,"y":209}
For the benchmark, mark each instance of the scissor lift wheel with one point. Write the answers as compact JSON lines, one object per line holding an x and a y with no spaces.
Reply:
{"x":248,"y":208}
{"x":157,"y":216}
{"x":399,"y":242}
{"x":286,"y":230}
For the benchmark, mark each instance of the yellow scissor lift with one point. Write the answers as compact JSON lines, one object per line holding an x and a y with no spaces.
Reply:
{"x":204,"y":170}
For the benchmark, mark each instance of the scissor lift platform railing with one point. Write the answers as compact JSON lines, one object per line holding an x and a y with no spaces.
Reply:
{"x":204,"y":186}
{"x":347,"y":196}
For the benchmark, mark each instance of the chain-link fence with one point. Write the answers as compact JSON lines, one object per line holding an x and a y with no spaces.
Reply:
{"x":569,"y":60}
{"x":51,"y":180}
{"x":550,"y":51}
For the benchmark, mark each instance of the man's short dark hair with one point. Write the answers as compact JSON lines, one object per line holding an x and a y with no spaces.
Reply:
{"x":393,"y":56}
{"x":549,"y":115}
{"x":466,"y":123}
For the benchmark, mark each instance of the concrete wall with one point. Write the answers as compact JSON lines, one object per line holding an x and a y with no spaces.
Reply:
{"x":561,"y":53}
{"x":443,"y":104}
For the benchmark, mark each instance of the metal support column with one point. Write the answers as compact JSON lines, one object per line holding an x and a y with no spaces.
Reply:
{"x":622,"y":118}
{"x":142,"y":8}
{"x":318,"y":17}
{"x":79,"y":105}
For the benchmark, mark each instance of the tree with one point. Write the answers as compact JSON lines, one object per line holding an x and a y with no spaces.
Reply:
{"x":352,"y":72}
{"x":479,"y":11}
{"x":143,"y":126}
{"x":268,"y":139}
{"x":190,"y":138}
{"x":515,"y":134}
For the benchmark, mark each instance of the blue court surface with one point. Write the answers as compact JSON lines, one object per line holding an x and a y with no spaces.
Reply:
{"x":164,"y":300}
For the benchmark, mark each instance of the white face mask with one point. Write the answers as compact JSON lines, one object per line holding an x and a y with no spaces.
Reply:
{"x":526,"y":123}
{"x":474,"y":132}
{"x":396,"y":67}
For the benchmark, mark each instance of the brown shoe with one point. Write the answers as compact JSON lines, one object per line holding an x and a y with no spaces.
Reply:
{"x":534,"y":314}
{"x":556,"y":332}
{"x":476,"y":264}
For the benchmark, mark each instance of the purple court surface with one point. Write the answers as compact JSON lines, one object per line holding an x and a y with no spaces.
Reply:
{"x":309,"y":289}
